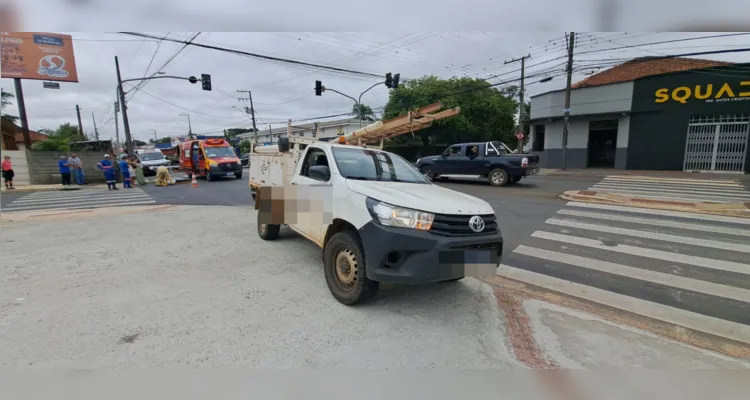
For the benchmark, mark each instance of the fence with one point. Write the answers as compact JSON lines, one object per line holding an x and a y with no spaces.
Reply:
{"x":44,"y":170}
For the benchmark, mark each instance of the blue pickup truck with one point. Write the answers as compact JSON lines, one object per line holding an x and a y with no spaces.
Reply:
{"x":491,"y":160}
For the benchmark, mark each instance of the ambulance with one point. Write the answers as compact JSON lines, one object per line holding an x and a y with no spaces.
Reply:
{"x":210,"y":159}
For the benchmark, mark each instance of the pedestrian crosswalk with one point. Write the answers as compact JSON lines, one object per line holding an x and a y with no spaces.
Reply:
{"x":79,"y":200}
{"x":691,"y":270}
{"x":718,"y":191}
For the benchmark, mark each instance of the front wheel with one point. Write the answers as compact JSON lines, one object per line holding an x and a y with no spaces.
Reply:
{"x":209,"y":177}
{"x":428,"y":172}
{"x":498,"y":177}
{"x":238,"y":175}
{"x":345,"y":270}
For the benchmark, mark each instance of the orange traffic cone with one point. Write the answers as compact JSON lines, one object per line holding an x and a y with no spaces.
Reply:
{"x":194,"y":182}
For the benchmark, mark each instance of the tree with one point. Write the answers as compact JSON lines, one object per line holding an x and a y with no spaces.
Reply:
{"x":164,"y":140}
{"x":6,"y":100}
{"x":59,"y":139}
{"x":244,"y":146}
{"x":487,"y":113}
{"x":363,"y":112}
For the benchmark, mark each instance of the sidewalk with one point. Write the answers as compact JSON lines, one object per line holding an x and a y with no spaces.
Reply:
{"x":602,"y":172}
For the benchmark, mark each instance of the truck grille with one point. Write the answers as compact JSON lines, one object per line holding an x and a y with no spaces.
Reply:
{"x":228,"y":166}
{"x":498,"y":247}
{"x":458,"y":225}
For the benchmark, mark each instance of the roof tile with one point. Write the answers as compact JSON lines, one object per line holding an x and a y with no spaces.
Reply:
{"x":646,"y":66}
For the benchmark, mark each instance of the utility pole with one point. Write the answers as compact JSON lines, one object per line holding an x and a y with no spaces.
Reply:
{"x":124,"y":110}
{"x":522,"y":105}
{"x":22,"y":113}
{"x":80,"y":124}
{"x":190,"y":127}
{"x":96,"y":131}
{"x":252,"y":110}
{"x":566,"y":123}
{"x":155,"y":137}
{"x":117,"y":126}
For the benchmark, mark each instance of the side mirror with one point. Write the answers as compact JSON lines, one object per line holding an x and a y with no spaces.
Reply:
{"x":319,"y":173}
{"x":444,"y":155}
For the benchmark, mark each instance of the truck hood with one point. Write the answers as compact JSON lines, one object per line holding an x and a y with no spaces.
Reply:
{"x":430,"y":198}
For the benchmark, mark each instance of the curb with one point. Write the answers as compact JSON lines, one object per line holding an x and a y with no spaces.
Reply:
{"x":590,"y":196}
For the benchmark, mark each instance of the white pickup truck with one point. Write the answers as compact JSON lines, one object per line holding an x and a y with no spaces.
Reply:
{"x":376,"y":217}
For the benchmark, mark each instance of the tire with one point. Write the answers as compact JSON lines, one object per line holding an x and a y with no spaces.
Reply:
{"x":515,"y":179}
{"x":428,"y":172}
{"x":238,"y":176}
{"x":253,"y":194}
{"x":268,"y":231}
{"x":208,"y":177}
{"x":498,"y":177}
{"x":453,"y":280}
{"x":349,"y":286}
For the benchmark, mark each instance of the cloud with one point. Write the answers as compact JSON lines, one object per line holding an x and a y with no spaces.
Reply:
{"x":281,"y":91}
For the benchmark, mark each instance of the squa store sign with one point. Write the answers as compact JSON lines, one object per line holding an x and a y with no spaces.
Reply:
{"x":709,"y":93}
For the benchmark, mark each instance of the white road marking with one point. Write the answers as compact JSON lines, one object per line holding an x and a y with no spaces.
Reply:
{"x":650,"y":253}
{"x":664,"y":213}
{"x":131,"y":203}
{"x":691,"y":320}
{"x":664,"y":237}
{"x":683,"y":191}
{"x":668,"y":180}
{"x":80,"y":198}
{"x":657,"y":222}
{"x":680,"y":282}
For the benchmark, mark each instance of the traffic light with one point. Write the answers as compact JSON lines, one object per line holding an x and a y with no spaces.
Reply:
{"x":388,"y":80}
{"x":318,"y":88}
{"x":206,"y":81}
{"x":394,"y":84}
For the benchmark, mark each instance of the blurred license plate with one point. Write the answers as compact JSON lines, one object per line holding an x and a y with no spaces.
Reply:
{"x":474,"y":263}
{"x":230,"y":173}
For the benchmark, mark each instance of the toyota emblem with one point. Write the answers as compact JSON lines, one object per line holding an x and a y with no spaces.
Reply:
{"x":476,"y":223}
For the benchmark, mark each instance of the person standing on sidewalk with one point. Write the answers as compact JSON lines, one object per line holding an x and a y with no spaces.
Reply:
{"x":77,"y":168}
{"x":109,"y":172}
{"x":125,"y":168}
{"x":7,"y":168}
{"x":64,"y":170}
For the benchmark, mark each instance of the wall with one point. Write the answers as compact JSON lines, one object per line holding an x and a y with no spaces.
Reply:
{"x":578,"y":138}
{"x":658,"y":131}
{"x":20,"y":167}
{"x":44,"y":170}
{"x":614,"y":98}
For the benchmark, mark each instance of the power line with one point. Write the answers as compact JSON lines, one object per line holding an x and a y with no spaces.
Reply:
{"x":186,"y":109}
{"x":261,"y":56}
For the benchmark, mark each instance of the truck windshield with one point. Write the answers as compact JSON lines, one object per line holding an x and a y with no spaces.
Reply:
{"x":152,"y":156}
{"x":364,"y":164}
{"x":219,"y":151}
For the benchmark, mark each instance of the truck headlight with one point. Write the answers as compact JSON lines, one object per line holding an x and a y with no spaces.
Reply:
{"x":390,"y":215}
{"x":212,"y":164}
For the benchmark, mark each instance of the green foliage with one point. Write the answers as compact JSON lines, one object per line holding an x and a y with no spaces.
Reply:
{"x":59,"y":139}
{"x":6,"y":100}
{"x":164,"y":140}
{"x":244,"y":146}
{"x":487,"y":113}
{"x":363,"y":112}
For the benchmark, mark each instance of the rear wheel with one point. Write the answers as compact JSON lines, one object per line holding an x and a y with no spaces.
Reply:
{"x":498,"y":177}
{"x":345,"y":269}
{"x":268,"y":231}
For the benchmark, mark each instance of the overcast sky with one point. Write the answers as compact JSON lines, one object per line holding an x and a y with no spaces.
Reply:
{"x":281,"y":91}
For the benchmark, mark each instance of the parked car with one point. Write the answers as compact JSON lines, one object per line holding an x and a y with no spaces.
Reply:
{"x":491,"y":160}
{"x":245,"y":159}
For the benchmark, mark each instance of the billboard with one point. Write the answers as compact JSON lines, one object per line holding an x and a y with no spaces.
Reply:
{"x":36,"y":55}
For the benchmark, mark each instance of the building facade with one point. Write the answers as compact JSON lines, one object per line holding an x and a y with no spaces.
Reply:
{"x":642,"y":116}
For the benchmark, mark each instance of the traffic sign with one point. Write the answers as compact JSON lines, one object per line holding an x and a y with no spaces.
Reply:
{"x":519,"y":135}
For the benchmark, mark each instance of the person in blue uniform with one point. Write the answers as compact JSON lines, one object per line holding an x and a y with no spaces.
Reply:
{"x":109,"y":172}
{"x":125,"y":168}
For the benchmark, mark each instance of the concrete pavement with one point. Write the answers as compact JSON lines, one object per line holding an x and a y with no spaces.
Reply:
{"x":187,"y":292}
